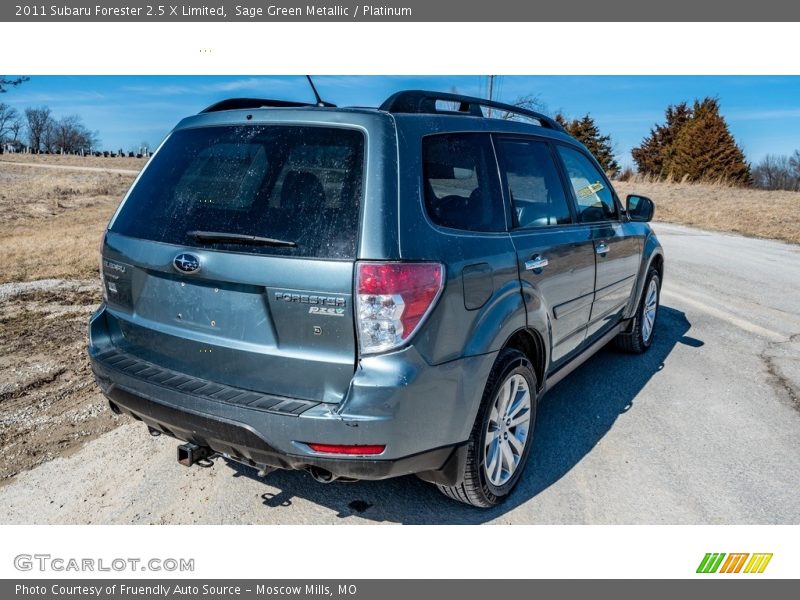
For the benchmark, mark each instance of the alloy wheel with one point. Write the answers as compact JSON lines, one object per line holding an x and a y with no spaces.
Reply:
{"x":507,"y":430}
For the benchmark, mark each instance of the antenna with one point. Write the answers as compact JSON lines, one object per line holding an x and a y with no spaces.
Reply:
{"x":320,"y":101}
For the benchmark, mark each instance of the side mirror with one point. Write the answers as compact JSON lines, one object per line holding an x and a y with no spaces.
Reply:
{"x":640,"y":208}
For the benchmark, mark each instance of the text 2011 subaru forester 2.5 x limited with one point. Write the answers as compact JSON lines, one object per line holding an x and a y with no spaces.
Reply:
{"x":367,"y":293}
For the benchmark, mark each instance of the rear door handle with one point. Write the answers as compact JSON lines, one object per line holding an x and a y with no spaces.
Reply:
{"x":601,"y":248}
{"x":537,"y":263}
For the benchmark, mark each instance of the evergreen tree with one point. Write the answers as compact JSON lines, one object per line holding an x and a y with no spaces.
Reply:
{"x":704,"y":148}
{"x":586,"y":131}
{"x":647,"y":156}
{"x":694,"y":143}
{"x":657,"y":148}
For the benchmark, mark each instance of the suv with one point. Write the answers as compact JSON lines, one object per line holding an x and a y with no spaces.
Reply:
{"x":366,"y":293}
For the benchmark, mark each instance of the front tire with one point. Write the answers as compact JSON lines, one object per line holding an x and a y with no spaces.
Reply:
{"x":640,"y":337}
{"x":502,"y":435}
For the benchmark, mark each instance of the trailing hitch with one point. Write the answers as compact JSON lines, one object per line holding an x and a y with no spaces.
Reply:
{"x":190,"y":454}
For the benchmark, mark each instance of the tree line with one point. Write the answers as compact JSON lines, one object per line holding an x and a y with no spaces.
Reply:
{"x":694,"y":143}
{"x":778,"y":172}
{"x":37,"y":130}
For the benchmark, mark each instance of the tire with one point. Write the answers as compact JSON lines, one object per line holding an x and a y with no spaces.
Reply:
{"x":486,"y":481}
{"x":640,"y":337}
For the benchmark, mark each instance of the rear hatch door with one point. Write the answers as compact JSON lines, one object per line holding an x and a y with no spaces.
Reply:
{"x":231,"y":259}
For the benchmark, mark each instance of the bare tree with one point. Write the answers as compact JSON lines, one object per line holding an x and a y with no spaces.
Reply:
{"x":40,"y":121}
{"x":8,"y":116}
{"x":16,"y":128}
{"x":526,"y":102}
{"x":6,"y":83}
{"x":778,"y":172}
{"x":794,"y":164}
{"x":70,"y":135}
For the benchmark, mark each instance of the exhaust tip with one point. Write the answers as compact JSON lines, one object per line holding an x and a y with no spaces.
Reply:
{"x":321,"y":475}
{"x":264,"y":471}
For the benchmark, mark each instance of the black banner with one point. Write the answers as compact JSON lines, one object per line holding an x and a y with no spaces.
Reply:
{"x":401,"y":11}
{"x":397,"y":589}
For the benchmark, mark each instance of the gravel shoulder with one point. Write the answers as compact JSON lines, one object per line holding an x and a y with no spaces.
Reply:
{"x":49,"y":404}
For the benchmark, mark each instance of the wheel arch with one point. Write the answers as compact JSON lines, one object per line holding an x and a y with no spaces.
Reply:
{"x":531,"y":344}
{"x":657,"y":262}
{"x":652,"y":256}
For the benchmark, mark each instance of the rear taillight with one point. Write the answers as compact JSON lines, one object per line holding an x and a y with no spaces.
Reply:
{"x":392,"y":301}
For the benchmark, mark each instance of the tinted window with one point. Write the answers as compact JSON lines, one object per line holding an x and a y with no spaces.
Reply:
{"x":533,"y":182}
{"x":461,"y":183}
{"x":301,"y":184}
{"x":595,"y":199}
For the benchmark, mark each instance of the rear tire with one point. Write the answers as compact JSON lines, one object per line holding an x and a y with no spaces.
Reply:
{"x":502,"y":435}
{"x":640,"y":337}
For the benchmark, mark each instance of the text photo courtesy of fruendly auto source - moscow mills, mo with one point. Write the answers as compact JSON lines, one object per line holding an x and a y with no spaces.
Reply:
{"x":439,"y":299}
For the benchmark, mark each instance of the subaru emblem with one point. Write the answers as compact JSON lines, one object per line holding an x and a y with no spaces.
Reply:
{"x":186,"y":263}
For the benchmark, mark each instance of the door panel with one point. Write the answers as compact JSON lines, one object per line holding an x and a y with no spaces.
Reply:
{"x":616,"y":273}
{"x":565,"y":286}
{"x":616,"y":246}
{"x":555,"y":258}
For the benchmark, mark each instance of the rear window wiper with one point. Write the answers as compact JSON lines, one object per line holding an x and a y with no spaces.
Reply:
{"x":238,"y":238}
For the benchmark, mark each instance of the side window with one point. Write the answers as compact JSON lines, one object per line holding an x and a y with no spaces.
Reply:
{"x":460,"y":182}
{"x":595,"y":199}
{"x":533,"y":183}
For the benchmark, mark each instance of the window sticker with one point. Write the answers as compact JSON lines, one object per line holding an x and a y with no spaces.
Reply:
{"x":590,"y":189}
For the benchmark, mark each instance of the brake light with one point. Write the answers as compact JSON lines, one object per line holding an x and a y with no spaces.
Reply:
{"x":347,"y":449}
{"x":393,"y":299}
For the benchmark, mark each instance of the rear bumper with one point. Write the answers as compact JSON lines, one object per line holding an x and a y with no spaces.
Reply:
{"x":242,"y":443}
{"x":422,"y":414}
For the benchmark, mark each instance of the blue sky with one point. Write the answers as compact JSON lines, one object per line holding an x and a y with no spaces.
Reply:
{"x":763,"y":111}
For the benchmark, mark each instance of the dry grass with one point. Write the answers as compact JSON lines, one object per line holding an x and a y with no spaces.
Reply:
{"x":51,"y":220}
{"x":117,"y":162}
{"x":719,"y":207}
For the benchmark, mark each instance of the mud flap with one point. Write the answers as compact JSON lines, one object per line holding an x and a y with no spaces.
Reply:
{"x":452,"y":471}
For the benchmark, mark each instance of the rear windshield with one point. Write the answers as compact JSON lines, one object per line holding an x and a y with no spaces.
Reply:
{"x":290,"y":183}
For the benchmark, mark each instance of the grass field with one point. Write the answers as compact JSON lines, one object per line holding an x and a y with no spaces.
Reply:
{"x":52,"y":219}
{"x":755,"y":213}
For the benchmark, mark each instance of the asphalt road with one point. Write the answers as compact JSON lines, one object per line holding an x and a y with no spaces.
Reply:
{"x":703,"y":429}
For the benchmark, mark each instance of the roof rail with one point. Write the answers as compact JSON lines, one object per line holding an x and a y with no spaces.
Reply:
{"x":424,"y":102}
{"x":243,"y":103}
